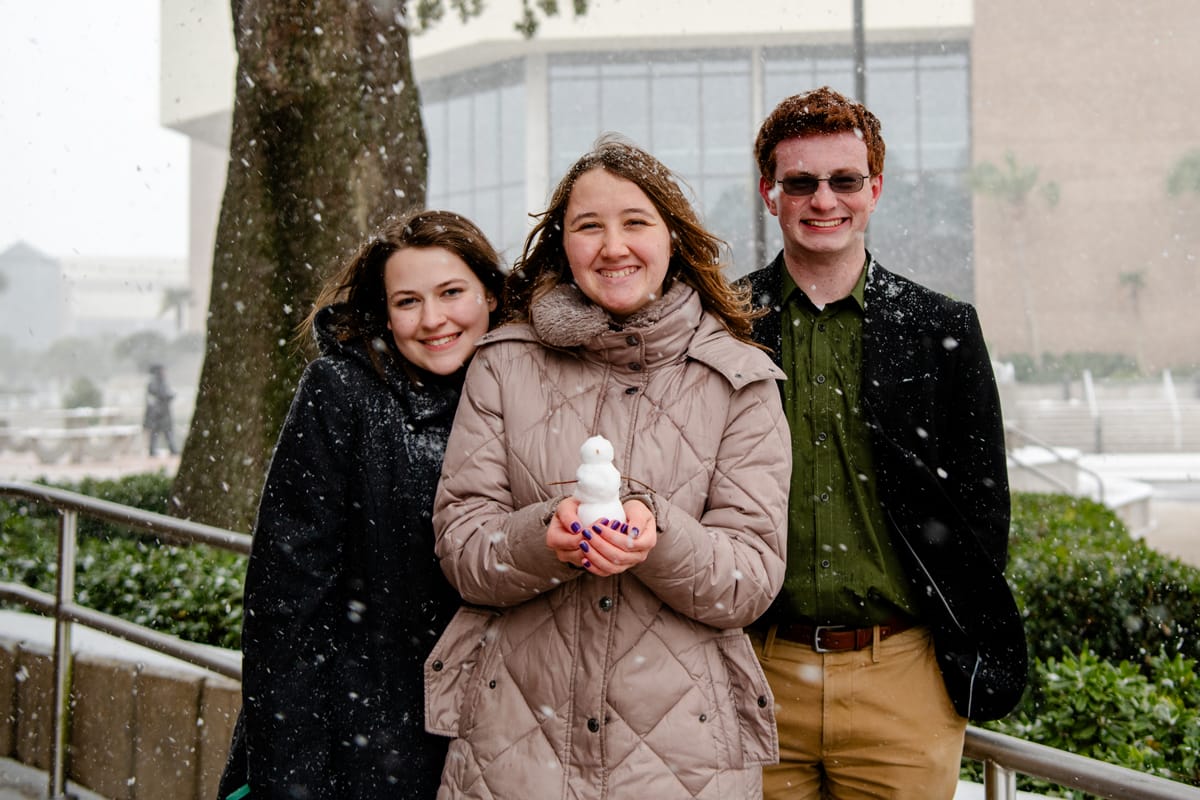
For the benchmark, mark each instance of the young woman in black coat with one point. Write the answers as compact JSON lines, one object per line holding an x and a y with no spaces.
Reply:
{"x":344,"y":598}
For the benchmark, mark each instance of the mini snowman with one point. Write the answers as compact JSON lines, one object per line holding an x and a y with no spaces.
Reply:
{"x":598,"y":483}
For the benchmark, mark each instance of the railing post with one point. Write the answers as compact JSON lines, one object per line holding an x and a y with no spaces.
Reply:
{"x":68,"y":528}
{"x":999,"y":783}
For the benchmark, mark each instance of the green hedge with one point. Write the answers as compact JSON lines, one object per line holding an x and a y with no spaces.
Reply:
{"x":1083,"y":582}
{"x":191,"y":592}
{"x":1110,"y":624}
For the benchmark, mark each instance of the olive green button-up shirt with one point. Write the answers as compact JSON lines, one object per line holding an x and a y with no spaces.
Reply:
{"x":842,"y":566}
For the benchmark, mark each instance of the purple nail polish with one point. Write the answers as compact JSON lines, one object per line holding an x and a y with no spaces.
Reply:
{"x":636,"y":533}
{"x":602,"y":521}
{"x":584,"y":546}
{"x":587,"y":564}
{"x":625,"y":528}
{"x":587,"y":534}
{"x":615,"y":525}
{"x":576,"y":527}
{"x":596,"y":529}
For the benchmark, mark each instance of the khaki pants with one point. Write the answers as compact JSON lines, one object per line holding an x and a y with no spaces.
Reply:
{"x":870,"y":723}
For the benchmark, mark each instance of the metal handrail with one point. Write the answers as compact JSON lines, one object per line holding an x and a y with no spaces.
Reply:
{"x":66,"y":611}
{"x":1010,"y":428}
{"x":1002,"y":756}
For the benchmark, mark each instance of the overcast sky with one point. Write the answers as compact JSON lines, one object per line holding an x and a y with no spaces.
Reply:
{"x":85,"y":167}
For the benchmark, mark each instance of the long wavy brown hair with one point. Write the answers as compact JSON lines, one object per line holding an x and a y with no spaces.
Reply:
{"x":695,"y":253}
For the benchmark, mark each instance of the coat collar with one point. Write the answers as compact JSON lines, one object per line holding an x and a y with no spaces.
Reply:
{"x":672,"y":328}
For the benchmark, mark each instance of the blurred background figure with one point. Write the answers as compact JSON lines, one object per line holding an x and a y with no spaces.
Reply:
{"x":158,"y":409}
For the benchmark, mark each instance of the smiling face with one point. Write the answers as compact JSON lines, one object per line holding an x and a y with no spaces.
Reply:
{"x":617,"y":244}
{"x":437,"y":307}
{"x":825,"y":225}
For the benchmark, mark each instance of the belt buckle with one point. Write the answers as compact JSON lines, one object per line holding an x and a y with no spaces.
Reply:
{"x":816,"y":640}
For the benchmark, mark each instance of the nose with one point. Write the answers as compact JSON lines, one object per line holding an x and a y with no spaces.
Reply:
{"x":613,"y":244}
{"x":823,"y":197}
{"x":432,"y":316}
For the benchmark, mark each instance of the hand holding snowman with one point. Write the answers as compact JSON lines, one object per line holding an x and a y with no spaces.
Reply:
{"x":593,"y":529}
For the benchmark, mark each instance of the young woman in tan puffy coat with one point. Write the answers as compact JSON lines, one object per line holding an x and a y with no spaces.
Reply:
{"x":609,"y":661}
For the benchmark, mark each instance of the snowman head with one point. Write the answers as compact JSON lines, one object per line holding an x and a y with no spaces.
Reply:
{"x":596,"y":450}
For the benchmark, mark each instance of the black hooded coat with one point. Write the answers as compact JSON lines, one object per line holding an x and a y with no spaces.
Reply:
{"x":344,"y":597}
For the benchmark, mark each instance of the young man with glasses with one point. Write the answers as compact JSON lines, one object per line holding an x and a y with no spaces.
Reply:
{"x":895,"y":624}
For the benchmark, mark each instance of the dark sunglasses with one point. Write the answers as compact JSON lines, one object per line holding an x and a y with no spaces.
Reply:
{"x":804,"y":185}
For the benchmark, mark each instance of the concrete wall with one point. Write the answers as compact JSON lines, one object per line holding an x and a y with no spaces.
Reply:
{"x":138,"y":730}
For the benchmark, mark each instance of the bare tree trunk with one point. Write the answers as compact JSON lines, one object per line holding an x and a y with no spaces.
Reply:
{"x":327,"y":141}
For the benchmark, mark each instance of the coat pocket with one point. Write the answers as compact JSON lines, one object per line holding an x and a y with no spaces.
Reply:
{"x":753,"y":701}
{"x":449,"y":668}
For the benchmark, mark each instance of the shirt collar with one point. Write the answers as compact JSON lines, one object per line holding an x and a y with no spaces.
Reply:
{"x":858,"y":293}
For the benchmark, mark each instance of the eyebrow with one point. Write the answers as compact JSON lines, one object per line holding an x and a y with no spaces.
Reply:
{"x":442,"y":285}
{"x":631,"y":210}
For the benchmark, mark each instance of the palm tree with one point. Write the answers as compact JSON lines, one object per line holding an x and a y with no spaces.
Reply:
{"x":1012,"y":185}
{"x":176,"y":299}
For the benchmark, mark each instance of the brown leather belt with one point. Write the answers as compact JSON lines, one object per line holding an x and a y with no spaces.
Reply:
{"x":838,"y":638}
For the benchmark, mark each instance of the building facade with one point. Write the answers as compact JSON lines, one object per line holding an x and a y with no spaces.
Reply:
{"x":1085,"y":98}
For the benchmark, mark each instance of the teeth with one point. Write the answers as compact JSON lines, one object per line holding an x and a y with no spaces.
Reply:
{"x":441,"y":340}
{"x":824,"y":223}
{"x":617,"y":273}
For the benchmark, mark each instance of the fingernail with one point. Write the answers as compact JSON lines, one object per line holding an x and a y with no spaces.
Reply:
{"x":615,"y":525}
{"x":625,"y":528}
{"x":636,"y":533}
{"x":587,"y":534}
{"x":602,"y":521}
{"x":576,"y":527}
{"x":596,"y":529}
{"x":584,"y":546}
{"x":587,"y":564}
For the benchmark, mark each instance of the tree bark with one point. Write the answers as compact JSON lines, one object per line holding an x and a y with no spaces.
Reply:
{"x":327,"y":141}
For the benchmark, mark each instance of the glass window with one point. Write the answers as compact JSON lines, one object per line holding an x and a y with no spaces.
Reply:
{"x":475,"y":128}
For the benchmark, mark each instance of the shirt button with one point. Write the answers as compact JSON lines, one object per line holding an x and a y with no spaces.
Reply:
{"x":606,"y":603}
{"x":631,"y":340}
{"x":821,"y":327}
{"x":825,"y":563}
{"x":824,"y":497}
{"x":822,"y":436}
{"x":593,"y":725}
{"x":636,"y":367}
{"x":820,"y":379}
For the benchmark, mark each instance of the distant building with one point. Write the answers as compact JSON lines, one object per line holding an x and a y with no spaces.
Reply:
{"x":1096,"y":99}
{"x":33,"y":298}
{"x":44,"y":298}
{"x":121,"y":295}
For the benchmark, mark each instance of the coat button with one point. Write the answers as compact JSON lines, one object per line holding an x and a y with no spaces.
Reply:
{"x":437,"y":666}
{"x":491,"y":684}
{"x":636,"y":367}
{"x":631,"y":340}
{"x":631,"y":390}
{"x":593,"y":725}
{"x":704,"y":717}
{"x":762,"y":701}
{"x":606,"y":603}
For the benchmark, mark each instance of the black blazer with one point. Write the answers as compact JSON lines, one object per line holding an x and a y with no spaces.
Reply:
{"x":938,"y":443}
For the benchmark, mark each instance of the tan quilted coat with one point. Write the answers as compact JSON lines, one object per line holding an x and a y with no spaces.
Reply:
{"x":559,"y":684}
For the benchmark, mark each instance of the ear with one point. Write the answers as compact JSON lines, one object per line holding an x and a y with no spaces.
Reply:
{"x":768,"y":192}
{"x":491,"y":301}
